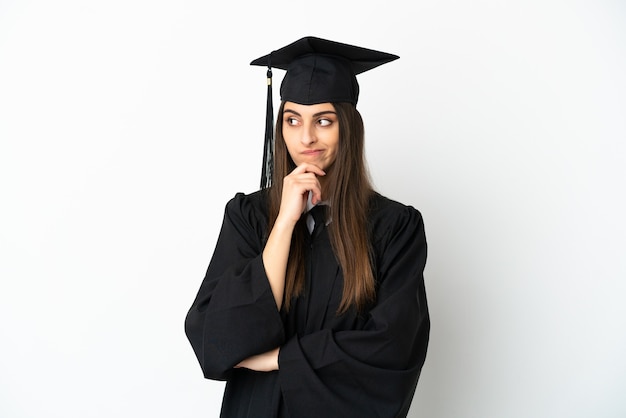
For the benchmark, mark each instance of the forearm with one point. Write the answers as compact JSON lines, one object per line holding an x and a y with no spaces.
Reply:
{"x":265,"y":362}
{"x":275,"y":256}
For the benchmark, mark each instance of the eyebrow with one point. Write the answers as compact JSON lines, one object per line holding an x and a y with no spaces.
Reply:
{"x":324,"y":112}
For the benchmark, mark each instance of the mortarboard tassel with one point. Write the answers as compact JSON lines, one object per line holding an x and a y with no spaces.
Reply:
{"x":268,"y":148}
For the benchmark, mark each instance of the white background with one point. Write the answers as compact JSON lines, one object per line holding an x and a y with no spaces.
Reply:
{"x":125,"y":126}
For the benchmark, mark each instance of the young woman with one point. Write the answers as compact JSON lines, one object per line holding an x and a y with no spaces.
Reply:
{"x":313,"y":304}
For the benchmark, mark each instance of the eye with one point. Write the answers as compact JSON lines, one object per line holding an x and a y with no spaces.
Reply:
{"x":325,"y":122}
{"x":291,"y":121}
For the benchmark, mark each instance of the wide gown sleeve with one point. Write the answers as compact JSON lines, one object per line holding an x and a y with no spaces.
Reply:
{"x":373,"y":371}
{"x":234,"y":314}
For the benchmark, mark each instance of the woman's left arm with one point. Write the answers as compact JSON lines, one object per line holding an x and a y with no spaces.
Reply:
{"x":265,"y":362}
{"x":373,"y":370}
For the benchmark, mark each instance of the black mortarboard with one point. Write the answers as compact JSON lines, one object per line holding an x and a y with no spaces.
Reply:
{"x":318,"y":71}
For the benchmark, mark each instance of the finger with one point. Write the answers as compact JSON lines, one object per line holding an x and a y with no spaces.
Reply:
{"x":316,"y":196}
{"x":309,"y":168}
{"x":316,"y":192}
{"x":303,"y":183}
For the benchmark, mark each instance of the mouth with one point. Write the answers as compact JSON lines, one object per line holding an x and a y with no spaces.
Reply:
{"x":312,"y":152}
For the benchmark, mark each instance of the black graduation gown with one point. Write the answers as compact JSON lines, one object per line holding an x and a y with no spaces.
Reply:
{"x":329,"y":366}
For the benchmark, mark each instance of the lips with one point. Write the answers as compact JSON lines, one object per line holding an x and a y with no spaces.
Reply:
{"x":312,"y":152}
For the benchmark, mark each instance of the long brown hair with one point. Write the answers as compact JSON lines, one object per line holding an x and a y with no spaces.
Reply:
{"x":348,"y":188}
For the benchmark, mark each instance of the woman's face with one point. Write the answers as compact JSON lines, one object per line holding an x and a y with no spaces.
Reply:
{"x":311,"y":133}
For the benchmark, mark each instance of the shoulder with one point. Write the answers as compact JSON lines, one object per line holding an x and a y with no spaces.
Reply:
{"x":250,"y":209}
{"x":388,"y":218}
{"x":246,"y":202}
{"x":381,"y":208}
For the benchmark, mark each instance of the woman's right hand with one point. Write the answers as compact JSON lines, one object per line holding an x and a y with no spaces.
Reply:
{"x":296,"y":187}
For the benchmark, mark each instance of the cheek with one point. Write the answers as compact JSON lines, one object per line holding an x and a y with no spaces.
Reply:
{"x":334,"y":151}
{"x":287,"y":142}
{"x":289,"y":149}
{"x":335,"y":145}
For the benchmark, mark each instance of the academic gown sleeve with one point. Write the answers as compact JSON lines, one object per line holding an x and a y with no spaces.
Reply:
{"x":234,"y":314}
{"x":372,"y":371}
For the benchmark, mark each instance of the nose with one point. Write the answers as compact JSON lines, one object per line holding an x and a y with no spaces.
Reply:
{"x":308,"y":136}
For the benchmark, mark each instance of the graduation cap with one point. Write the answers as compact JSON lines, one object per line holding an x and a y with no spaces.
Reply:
{"x":318,"y":71}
